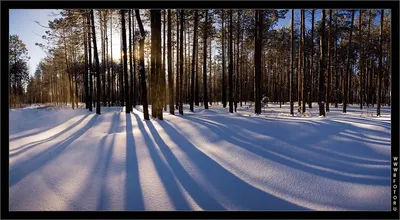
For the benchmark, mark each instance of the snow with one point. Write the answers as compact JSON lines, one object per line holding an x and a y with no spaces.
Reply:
{"x":64,"y":159}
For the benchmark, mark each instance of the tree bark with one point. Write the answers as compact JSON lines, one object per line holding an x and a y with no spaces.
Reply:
{"x":322,"y":67}
{"x":181,"y":66}
{"x":196,"y":15}
{"x":127,"y":100}
{"x":231,"y":62}
{"x":205,"y":98}
{"x":292,"y":63}
{"x":346,"y":92}
{"x":142,"y":67}
{"x":96,"y":55}
{"x":378,"y":110}
{"x":328,"y":85}
{"x":170,"y":73}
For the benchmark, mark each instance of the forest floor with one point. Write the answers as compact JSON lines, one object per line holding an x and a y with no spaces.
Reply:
{"x":64,"y":159}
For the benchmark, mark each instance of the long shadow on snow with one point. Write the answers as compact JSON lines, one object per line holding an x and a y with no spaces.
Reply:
{"x":44,"y":128}
{"x":239,"y":193}
{"x":104,"y":194}
{"x":20,"y":170}
{"x":36,"y":143}
{"x":100,"y":170}
{"x":270,"y":154}
{"x":133,"y":192}
{"x":334,"y":129}
{"x":166,"y":175}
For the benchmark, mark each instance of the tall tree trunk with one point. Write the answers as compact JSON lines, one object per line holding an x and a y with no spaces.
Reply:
{"x":361,"y":68}
{"x":196,"y":96}
{"x":310,"y":92}
{"x":177,"y":61}
{"x":103,"y":50}
{"x":210,"y":65}
{"x":300,"y":63}
{"x":346,"y":95}
{"x":370,"y":60}
{"x":336,"y":62}
{"x":153,"y":63}
{"x":88,"y":22}
{"x":328,"y":85}
{"x":130,"y":57}
{"x":124,"y":48}
{"x":135,"y":85}
{"x":241,"y":68}
{"x":96,"y":56}
{"x":322,"y":67}
{"x":303,"y":54}
{"x":163,"y":83}
{"x":223,"y":61}
{"x":205,"y":98}
{"x":142,"y":67}
{"x":181,"y":66}
{"x":121,"y":75}
{"x":196,"y":17}
{"x":292,"y":62}
{"x":112,"y":64}
{"x":158,"y":73}
{"x":378,"y":110}
{"x":170,"y":73}
{"x":257,"y":60}
{"x":237,"y":63}
{"x":86,"y":73}
{"x":230,"y":62}
{"x":108,"y":68}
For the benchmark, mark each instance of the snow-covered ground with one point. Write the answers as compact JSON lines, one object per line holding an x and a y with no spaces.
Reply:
{"x":64,"y":159}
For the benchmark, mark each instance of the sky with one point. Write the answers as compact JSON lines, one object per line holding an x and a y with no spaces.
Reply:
{"x":22,"y":23}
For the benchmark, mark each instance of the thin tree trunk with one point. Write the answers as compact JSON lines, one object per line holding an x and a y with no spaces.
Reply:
{"x":96,"y":55}
{"x":378,"y":110}
{"x":292,"y":62}
{"x":170,"y":73}
{"x":322,"y":67}
{"x":336,"y":63}
{"x":205,"y":98}
{"x":163,"y":83}
{"x":142,"y":67}
{"x":86,"y":73}
{"x":303,"y":54}
{"x":257,"y":60}
{"x":231,"y":62}
{"x":361,"y":68}
{"x":237,"y":63}
{"x":124,"y":48}
{"x":346,"y":95}
{"x":328,"y":85}
{"x":181,"y":66}
{"x":223,"y":61}
{"x":196,"y":15}
{"x":130,"y":57}
{"x":177,"y":61}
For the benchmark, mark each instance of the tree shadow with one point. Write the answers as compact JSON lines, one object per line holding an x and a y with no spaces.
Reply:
{"x":309,"y":165}
{"x":239,"y":193}
{"x":334,"y":129}
{"x":36,"y":143}
{"x":133,"y":192}
{"x":104,"y":194}
{"x":166,"y":175}
{"x":20,"y":170}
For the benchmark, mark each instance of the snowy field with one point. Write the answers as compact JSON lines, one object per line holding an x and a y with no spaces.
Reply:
{"x":64,"y":159}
